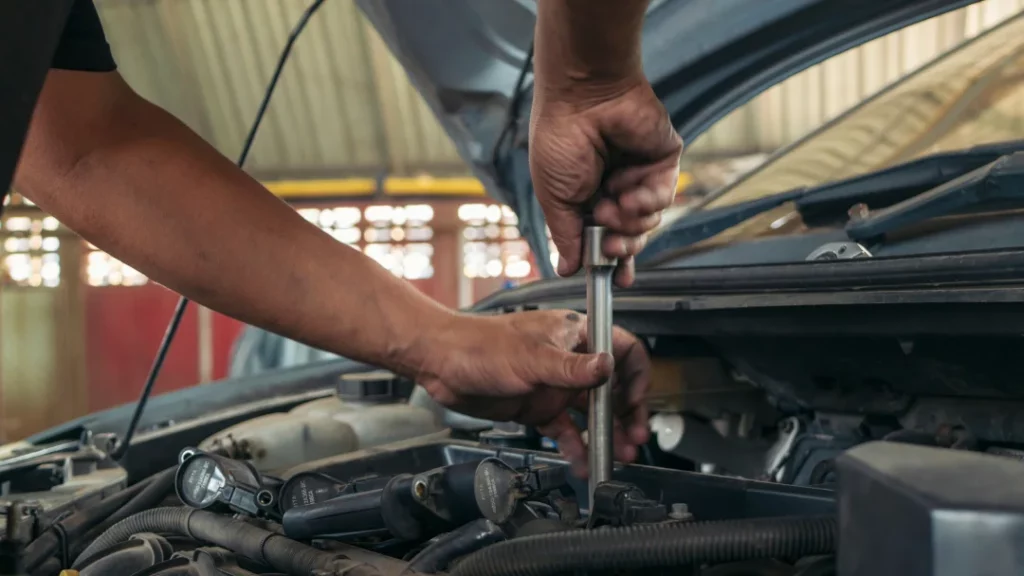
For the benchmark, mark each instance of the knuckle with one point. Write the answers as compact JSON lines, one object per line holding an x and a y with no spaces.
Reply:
{"x":568,"y":367}
{"x":637,"y":244}
{"x":563,"y":240}
{"x":606,"y":211}
{"x":574,"y":367}
{"x":638,"y":227}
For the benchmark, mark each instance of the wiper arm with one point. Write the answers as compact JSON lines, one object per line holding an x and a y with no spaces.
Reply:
{"x":1001,"y":180}
{"x":704,"y":224}
{"x":829,"y":203}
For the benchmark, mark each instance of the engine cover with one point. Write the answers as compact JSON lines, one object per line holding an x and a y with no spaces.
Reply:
{"x":909,"y":510}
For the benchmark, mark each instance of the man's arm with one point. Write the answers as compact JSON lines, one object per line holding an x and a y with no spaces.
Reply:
{"x":139,"y":184}
{"x":588,"y":45}
{"x":597,"y":125}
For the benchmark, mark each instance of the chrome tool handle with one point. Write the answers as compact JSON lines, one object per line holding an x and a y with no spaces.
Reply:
{"x":599,"y":270}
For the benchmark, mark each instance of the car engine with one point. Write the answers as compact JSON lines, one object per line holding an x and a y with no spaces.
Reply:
{"x":372,"y":478}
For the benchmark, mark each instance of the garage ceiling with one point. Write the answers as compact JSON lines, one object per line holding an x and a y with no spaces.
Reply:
{"x":344,"y":107}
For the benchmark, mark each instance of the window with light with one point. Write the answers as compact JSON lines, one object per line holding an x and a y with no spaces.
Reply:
{"x":396,"y":237}
{"x":30,"y":251}
{"x":102,"y":269}
{"x":493,"y":247}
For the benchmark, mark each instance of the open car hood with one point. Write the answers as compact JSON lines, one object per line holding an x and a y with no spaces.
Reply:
{"x":704,"y":58}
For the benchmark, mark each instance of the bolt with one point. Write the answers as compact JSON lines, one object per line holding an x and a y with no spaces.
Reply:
{"x":419,"y":488}
{"x":858,"y":211}
{"x":680,"y":511}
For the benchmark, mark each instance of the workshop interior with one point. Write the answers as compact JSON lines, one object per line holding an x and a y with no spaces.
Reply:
{"x":830,"y":304}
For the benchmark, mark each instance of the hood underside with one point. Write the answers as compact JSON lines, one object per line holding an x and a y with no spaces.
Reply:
{"x":470,"y":61}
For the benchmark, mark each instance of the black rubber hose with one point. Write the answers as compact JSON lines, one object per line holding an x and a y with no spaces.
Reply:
{"x":48,"y":568}
{"x":654,"y":546}
{"x":819,"y":567}
{"x":467,"y":539}
{"x":275,"y":550}
{"x":761,"y":567}
{"x":158,"y":489}
{"x":160,"y":485}
{"x":77,"y":524}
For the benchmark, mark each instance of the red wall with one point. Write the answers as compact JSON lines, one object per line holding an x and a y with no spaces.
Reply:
{"x":124,"y":326}
{"x":225,"y":331}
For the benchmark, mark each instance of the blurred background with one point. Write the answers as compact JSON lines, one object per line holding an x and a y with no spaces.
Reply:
{"x":350,"y":144}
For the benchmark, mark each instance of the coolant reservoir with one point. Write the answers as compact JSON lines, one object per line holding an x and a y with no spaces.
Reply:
{"x":325,"y":427}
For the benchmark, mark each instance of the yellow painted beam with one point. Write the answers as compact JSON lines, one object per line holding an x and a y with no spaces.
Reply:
{"x":393,"y":187}
{"x":341,"y":187}
{"x":427,"y":185}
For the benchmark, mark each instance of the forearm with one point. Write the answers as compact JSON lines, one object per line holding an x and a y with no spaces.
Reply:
{"x":588,"y":42}
{"x":159,"y":198}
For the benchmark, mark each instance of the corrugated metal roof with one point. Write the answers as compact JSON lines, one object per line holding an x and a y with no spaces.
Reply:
{"x":344,"y":105}
{"x":806,"y":101}
{"x":972,"y":98}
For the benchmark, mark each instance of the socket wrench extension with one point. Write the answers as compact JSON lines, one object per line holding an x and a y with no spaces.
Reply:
{"x":599,"y":271}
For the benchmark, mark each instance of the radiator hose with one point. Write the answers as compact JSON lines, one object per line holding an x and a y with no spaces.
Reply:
{"x":653,"y":546}
{"x":277,"y":551}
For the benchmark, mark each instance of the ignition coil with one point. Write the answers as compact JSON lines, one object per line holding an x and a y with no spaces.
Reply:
{"x":360,"y":509}
{"x":622,"y":504}
{"x":410,"y":507}
{"x":206,"y":480}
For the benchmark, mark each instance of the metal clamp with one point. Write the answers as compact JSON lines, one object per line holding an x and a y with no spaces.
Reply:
{"x":780,"y":452}
{"x":839,"y":251}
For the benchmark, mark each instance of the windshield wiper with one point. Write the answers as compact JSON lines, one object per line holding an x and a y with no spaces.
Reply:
{"x":829,"y":203}
{"x":704,"y":224}
{"x":995,"y":184}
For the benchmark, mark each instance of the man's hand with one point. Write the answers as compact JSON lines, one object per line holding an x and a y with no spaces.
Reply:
{"x":600,"y":140}
{"x":531,"y":368}
{"x":616,"y":154}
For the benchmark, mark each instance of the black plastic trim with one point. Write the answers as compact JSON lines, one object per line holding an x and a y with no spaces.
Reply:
{"x":997,"y":268}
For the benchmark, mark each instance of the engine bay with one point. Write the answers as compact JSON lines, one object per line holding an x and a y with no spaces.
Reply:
{"x":750,"y":470}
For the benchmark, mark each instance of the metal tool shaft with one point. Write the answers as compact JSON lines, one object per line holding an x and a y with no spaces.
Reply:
{"x":599,"y":270}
